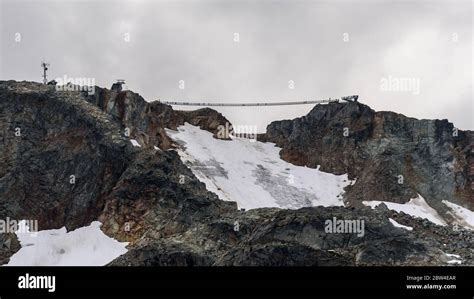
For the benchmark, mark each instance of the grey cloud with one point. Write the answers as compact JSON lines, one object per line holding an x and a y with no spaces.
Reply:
{"x":279,"y":41}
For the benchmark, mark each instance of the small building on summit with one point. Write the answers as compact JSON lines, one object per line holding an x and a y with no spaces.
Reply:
{"x":352,"y":98}
{"x":117,"y":86}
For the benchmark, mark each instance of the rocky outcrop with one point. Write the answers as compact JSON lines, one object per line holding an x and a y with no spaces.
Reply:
{"x":273,"y":237}
{"x":59,"y":155}
{"x":391,"y":156}
{"x":206,"y":119}
{"x":9,"y":244}
{"x":146,"y":121}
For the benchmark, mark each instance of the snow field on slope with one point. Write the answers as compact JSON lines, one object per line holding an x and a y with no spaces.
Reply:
{"x":416,"y":207}
{"x":252,"y":173}
{"x":85,"y":246}
{"x":463,"y":216}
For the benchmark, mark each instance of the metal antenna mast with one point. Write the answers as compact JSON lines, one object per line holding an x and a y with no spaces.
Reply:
{"x":44,"y":65}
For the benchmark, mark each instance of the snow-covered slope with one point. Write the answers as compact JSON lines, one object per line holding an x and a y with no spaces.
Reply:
{"x":252,"y":173}
{"x":85,"y":246}
{"x":416,"y":207}
{"x":462,"y":215}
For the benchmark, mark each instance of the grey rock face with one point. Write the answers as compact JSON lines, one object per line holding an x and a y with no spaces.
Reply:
{"x":393,"y":157}
{"x":59,"y":156}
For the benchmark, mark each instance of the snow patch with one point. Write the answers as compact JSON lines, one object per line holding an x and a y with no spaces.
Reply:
{"x":85,"y":246}
{"x":252,"y":173}
{"x":462,"y":215}
{"x":453,"y":255}
{"x":396,"y":224}
{"x":416,"y":207}
{"x":135,"y":143}
{"x":456,"y":259}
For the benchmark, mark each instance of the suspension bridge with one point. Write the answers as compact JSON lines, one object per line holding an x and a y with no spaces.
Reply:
{"x":352,"y":98}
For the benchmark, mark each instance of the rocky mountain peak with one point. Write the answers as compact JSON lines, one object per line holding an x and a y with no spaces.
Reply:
{"x":392,"y":157}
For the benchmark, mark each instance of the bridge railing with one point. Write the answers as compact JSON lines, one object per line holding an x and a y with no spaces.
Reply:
{"x":249,"y":104}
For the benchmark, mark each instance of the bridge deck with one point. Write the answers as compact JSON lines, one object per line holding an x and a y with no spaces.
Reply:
{"x":249,"y":104}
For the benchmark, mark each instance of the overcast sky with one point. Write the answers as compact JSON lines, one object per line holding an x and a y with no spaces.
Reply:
{"x":326,"y":48}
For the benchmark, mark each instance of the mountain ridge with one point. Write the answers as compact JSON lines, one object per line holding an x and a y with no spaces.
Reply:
{"x":137,"y":192}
